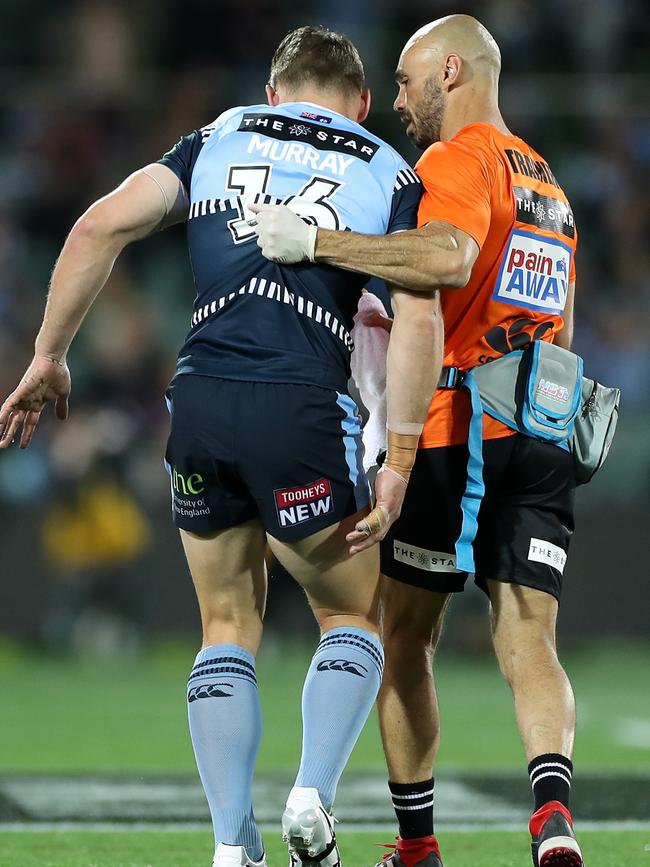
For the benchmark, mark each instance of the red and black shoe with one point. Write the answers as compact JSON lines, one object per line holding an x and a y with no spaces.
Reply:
{"x":421,"y":852}
{"x":554,"y":842}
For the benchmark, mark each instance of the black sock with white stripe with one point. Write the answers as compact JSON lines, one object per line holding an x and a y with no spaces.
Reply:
{"x":550,"y":777}
{"x":413,"y":805}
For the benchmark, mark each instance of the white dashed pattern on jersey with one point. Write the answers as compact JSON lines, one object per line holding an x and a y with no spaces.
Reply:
{"x":264,"y":288}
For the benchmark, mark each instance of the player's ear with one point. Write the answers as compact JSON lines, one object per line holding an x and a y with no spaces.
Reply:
{"x":272,"y":97}
{"x":451,"y":71}
{"x":364,"y":105}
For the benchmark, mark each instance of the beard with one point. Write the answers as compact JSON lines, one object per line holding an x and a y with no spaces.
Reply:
{"x":426,"y":119}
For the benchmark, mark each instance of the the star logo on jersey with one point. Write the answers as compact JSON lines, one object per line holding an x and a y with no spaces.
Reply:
{"x":299,"y":129}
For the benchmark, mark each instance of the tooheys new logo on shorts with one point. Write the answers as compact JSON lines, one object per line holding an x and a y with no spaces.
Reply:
{"x":296,"y":505}
{"x":534,"y":272}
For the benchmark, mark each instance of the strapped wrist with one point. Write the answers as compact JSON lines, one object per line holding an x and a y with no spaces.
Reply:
{"x":401,"y":451}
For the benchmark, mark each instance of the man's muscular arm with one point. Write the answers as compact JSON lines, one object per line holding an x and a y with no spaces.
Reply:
{"x":412,"y":372}
{"x":435,"y":256}
{"x":148,"y":200}
{"x":145,"y":202}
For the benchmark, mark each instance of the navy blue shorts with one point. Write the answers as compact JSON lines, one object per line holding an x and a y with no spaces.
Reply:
{"x":289,"y":455}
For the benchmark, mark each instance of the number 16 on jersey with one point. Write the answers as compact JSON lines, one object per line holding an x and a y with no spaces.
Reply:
{"x":312,"y":202}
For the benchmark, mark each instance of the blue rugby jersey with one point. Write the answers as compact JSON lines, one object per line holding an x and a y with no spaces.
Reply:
{"x":254,"y":319}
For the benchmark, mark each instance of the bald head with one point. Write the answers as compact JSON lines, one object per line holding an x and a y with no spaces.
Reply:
{"x":448,"y":75}
{"x":461,"y":35}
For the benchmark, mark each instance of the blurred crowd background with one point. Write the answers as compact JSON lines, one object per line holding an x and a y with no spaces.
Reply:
{"x":93,"y":89}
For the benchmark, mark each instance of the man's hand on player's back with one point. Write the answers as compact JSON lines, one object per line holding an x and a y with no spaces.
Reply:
{"x":282,"y":235}
{"x":45,"y":379}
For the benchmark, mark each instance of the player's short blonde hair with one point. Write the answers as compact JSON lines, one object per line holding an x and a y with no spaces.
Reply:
{"x":317,"y":56}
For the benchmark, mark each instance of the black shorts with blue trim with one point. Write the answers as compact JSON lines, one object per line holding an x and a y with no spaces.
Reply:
{"x":525,"y":521}
{"x":289,"y":455}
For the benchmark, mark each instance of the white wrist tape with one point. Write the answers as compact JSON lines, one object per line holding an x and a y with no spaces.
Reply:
{"x":405,"y":427}
{"x":385,"y":469}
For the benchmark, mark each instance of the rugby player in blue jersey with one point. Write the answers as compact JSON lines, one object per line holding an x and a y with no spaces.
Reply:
{"x":265,"y":442}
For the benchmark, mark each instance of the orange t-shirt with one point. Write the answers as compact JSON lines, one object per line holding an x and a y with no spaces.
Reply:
{"x":498,"y":190}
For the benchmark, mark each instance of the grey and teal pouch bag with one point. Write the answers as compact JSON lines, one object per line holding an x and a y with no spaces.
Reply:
{"x":541,"y":392}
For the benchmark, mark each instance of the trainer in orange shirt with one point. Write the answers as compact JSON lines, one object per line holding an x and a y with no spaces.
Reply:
{"x":497,"y":236}
{"x":499,"y":191}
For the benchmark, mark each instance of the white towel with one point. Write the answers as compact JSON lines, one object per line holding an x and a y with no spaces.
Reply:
{"x":369,"y":371}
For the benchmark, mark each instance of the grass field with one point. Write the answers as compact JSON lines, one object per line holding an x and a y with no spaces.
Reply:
{"x":109,"y":719}
{"x":192,"y":849}
{"x":130,"y":715}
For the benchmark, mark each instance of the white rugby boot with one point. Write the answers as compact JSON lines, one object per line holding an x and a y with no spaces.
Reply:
{"x":308,"y":830}
{"x":235,"y":856}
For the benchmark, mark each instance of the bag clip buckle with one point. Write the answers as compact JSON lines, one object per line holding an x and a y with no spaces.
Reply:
{"x":451,"y":377}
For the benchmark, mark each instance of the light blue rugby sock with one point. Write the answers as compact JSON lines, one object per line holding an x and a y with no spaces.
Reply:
{"x":340,"y":689}
{"x":226,"y":728}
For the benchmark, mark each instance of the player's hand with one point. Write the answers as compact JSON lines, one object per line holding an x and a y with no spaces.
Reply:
{"x":44,"y":380}
{"x":282,"y":235}
{"x":390,"y":489}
